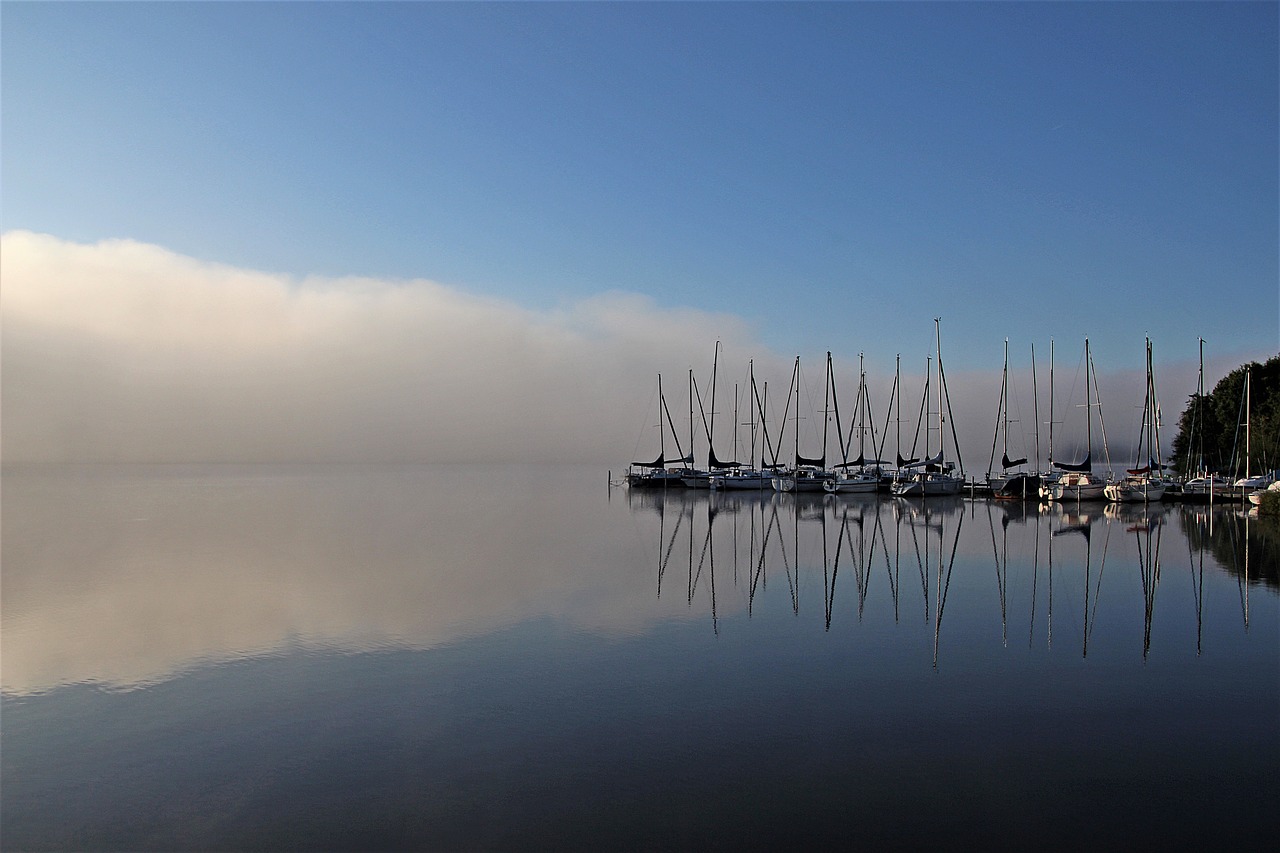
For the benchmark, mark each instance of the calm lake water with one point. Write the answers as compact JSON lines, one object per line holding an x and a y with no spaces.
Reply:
{"x":451,"y":658}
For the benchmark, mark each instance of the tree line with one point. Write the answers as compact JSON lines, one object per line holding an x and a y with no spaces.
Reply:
{"x":1211,"y":432}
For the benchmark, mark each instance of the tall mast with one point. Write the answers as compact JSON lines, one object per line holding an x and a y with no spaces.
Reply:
{"x":928,"y":375}
{"x":662,"y":433}
{"x":1035,"y":403}
{"x":1156,"y":414}
{"x":897,"y":377}
{"x":691,"y":414}
{"x":862,"y":408}
{"x":711,"y":430}
{"x":1088,"y":406}
{"x":1248,"y":410}
{"x":1199,"y":421}
{"x":1004,"y":396}
{"x":826,"y":405}
{"x":937,"y":328}
{"x":1050,"y":402}
{"x":735,"y":420}
{"x":751,"y":375}
{"x":795,"y":383}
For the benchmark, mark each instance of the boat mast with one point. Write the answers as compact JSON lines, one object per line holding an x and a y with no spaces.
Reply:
{"x":1199,"y":421}
{"x":735,"y":420}
{"x":897,"y":377}
{"x":1156,"y":415}
{"x":937,"y":328}
{"x":1248,"y":411}
{"x":1102,"y":424}
{"x":826,"y":406}
{"x":751,"y":377}
{"x":1004,"y":400}
{"x":662,"y":433}
{"x":1088,"y":408}
{"x":691,"y":414}
{"x":863,"y":404}
{"x":1035,"y":402}
{"x":711,"y":430}
{"x":945,"y":394}
{"x":1050,"y":403}
{"x":1002,"y":415}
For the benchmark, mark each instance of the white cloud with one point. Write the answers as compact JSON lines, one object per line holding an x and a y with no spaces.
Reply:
{"x":127,"y":352}
{"x":123,"y":351}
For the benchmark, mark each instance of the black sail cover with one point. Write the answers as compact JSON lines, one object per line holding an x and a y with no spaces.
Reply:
{"x":816,"y":463}
{"x":716,"y":463}
{"x":1086,"y":465}
{"x":660,"y":462}
{"x":1012,"y":463}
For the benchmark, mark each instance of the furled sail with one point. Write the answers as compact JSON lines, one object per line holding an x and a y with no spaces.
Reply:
{"x":1012,"y":463}
{"x":816,"y":463}
{"x":903,"y":463}
{"x":931,"y":463}
{"x":1086,"y":465}
{"x":716,"y":463}
{"x":860,"y":462}
{"x":660,"y":462}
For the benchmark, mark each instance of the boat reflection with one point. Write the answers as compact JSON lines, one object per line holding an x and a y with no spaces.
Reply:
{"x":1037,"y":552}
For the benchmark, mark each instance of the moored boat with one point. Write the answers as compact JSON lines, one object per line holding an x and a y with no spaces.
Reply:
{"x":932,"y":476}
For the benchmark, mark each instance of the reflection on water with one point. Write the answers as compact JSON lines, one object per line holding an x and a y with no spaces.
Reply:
{"x":461,"y":657}
{"x":798,"y":536}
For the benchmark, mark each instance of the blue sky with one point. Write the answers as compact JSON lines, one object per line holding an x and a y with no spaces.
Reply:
{"x":835,"y":175}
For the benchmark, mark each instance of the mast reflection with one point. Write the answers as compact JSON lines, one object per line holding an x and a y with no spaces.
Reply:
{"x":829,"y":538}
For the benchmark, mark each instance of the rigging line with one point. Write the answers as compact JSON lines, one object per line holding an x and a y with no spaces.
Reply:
{"x":1097,"y":590}
{"x":1035,"y":576}
{"x":955,"y":543}
{"x":878,"y":530}
{"x":835,"y":568}
{"x":758,"y":578}
{"x":644,"y":426}
{"x":693,"y":579}
{"x":670,"y":546}
{"x":924,"y":580}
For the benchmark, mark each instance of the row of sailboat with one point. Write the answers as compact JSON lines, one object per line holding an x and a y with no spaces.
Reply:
{"x":939,"y":470}
{"x":928,"y":475}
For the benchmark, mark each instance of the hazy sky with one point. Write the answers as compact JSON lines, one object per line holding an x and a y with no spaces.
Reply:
{"x":415,"y":230}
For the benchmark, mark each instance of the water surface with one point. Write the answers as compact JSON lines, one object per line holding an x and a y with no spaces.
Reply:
{"x":476,"y":657}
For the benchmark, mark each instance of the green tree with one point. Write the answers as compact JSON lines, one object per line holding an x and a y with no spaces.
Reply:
{"x":1210,"y":430}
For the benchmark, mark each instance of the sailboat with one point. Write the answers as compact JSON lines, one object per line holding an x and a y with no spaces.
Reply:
{"x":702,"y":479}
{"x":1248,"y":483}
{"x":808,"y":474}
{"x":1023,"y":485}
{"x":932,"y":475}
{"x":747,"y":477}
{"x":1077,"y":481}
{"x":656,"y":474}
{"x":846,"y":480}
{"x":998,"y":480}
{"x":1143,"y":483}
{"x":1205,"y":484}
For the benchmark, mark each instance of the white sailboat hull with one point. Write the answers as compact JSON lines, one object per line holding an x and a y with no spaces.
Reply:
{"x":1073,"y":487}
{"x":1135,"y":492}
